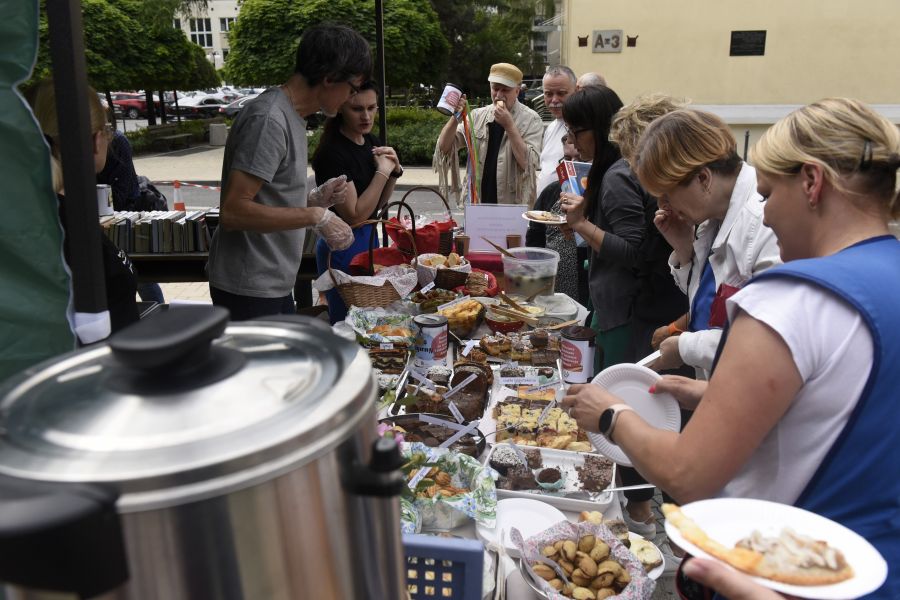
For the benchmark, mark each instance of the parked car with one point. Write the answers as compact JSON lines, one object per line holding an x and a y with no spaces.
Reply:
{"x":132,"y":105}
{"x":200,"y":106}
{"x":232,"y":110}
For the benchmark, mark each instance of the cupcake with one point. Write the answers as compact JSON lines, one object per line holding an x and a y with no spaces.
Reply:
{"x":504,"y":458}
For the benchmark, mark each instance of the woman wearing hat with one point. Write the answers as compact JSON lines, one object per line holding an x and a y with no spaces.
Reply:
{"x":507,"y":137}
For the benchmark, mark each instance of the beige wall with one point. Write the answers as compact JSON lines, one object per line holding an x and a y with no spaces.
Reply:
{"x":814,"y":49}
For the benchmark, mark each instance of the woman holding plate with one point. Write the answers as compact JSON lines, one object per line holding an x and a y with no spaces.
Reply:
{"x":803,"y":404}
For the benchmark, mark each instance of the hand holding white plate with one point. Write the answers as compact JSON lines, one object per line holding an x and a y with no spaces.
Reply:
{"x":632,"y":383}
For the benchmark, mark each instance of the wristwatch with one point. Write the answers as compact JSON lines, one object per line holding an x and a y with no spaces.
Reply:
{"x":608,"y":419}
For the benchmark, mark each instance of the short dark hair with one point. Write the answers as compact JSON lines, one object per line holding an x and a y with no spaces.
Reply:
{"x":333,"y":51}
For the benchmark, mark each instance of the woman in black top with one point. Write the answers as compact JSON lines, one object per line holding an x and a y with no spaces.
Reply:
{"x":119,"y":276}
{"x":348,"y":148}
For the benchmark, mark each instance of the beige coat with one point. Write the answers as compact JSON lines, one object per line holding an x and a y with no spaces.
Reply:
{"x":515,"y":185}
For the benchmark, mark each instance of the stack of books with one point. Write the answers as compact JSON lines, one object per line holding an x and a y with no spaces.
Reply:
{"x":158,"y":231}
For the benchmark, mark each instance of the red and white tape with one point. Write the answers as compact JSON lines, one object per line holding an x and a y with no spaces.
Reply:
{"x":177,"y":184}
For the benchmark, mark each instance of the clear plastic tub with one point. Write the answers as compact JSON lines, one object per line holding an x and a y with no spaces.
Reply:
{"x":530,"y":271}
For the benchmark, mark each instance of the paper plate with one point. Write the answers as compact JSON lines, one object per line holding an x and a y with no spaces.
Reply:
{"x":655,"y":572}
{"x":727,"y":520}
{"x":631,"y":383}
{"x":528,"y":516}
{"x":528,"y":217}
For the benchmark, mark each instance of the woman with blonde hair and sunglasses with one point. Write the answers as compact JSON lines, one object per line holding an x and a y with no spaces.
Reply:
{"x":711,"y":215}
{"x":121,"y":281}
{"x":804,"y":401}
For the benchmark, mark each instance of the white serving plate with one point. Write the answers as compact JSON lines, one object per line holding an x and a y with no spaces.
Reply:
{"x":530,"y":517}
{"x":727,"y":520}
{"x":565,"y":461}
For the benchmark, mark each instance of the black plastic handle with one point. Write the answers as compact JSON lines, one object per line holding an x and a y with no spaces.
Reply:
{"x":175,"y":337}
{"x":61,"y":538}
{"x":382,"y":477}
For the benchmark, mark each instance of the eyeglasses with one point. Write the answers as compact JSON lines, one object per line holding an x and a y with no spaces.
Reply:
{"x":574,"y":133}
{"x":354,"y":89}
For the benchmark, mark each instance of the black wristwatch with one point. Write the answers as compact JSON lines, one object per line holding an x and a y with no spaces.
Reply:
{"x":397,"y":174}
{"x":608,"y":418}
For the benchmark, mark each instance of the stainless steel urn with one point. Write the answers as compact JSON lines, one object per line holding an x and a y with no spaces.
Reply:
{"x":193,"y":459}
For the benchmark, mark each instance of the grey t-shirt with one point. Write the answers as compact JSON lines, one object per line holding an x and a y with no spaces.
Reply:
{"x":267,"y":140}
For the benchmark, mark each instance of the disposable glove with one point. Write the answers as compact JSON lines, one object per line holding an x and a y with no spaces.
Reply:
{"x":329,"y":193}
{"x":336,"y":233}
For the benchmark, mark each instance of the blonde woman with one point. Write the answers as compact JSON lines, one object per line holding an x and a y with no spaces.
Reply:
{"x":803,"y":405}
{"x":711,"y":215}
{"x":121,"y":282}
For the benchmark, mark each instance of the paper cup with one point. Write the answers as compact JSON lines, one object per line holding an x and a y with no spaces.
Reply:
{"x":104,"y":200}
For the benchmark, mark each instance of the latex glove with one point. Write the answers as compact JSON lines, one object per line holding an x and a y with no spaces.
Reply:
{"x":336,"y":233}
{"x":329,"y":193}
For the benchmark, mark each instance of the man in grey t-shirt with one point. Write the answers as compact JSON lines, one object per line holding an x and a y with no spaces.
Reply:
{"x":256,"y":251}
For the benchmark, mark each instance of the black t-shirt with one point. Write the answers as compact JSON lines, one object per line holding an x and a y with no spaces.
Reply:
{"x":489,"y":174}
{"x":342,"y":156}
{"x":119,"y":276}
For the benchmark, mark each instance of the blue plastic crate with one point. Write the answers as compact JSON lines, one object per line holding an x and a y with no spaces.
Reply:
{"x":443,"y":568}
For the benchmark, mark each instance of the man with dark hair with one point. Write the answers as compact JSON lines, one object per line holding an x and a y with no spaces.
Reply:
{"x":256,"y":251}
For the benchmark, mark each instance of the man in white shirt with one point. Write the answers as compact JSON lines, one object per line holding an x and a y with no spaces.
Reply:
{"x":590,"y":80}
{"x":559,"y":84}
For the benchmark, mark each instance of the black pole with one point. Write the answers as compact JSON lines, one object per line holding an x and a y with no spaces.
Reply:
{"x":379,"y":69}
{"x":112,"y":111}
{"x":746,"y":143}
{"x":162,"y":107}
{"x":77,"y":152}
{"x":151,"y":108}
{"x":177,"y":109}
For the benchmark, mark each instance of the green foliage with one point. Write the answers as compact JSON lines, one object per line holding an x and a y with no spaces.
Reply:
{"x":264,"y":39}
{"x":142,"y":139}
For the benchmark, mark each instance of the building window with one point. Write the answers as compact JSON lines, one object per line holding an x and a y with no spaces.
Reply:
{"x":224,"y":53}
{"x":201,"y":32}
{"x":226,"y":23}
{"x":176,"y":23}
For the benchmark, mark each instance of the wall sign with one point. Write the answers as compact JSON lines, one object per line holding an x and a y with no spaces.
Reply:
{"x":607,"y":40}
{"x":748,"y":43}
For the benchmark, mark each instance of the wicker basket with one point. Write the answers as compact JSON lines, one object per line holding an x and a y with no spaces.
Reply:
{"x":362,"y":294}
{"x":445,"y":242}
{"x":448,"y":279}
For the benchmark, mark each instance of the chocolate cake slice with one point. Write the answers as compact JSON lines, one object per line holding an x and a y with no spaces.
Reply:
{"x":518,"y":477}
{"x":595,"y":474}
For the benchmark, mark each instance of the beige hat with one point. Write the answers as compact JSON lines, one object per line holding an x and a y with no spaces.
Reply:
{"x":505,"y":74}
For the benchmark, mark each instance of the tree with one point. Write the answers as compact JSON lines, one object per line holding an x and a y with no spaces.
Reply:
{"x":265,"y":37}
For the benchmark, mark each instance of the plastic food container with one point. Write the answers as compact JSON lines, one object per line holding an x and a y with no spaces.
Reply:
{"x":558,"y":305}
{"x":530,"y":271}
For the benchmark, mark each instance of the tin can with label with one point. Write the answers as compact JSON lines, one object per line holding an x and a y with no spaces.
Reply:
{"x":577,"y":353}
{"x":449,"y":98}
{"x":432,"y":339}
{"x":104,"y":200}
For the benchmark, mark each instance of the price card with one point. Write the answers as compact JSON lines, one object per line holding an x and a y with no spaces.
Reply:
{"x":544,"y":386}
{"x":545,"y":412}
{"x":455,"y":411}
{"x":422,"y":380}
{"x":469,"y":345}
{"x":386,"y":346}
{"x":461,"y":385}
{"x":427,"y":288}
{"x":453,"y":303}
{"x":459,"y":434}
{"x":442,"y":422}
{"x":519,"y":380}
{"x":419,"y":476}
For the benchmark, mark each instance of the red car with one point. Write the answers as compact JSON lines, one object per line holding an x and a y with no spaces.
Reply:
{"x":132,"y":105}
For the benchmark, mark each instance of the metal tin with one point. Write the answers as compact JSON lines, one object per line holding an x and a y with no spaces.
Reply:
{"x":577,"y":352}
{"x":432,"y":339}
{"x":449,"y":99}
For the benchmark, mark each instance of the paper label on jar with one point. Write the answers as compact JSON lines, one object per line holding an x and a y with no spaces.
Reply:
{"x":577,"y":360}
{"x":455,"y":411}
{"x":453,"y":303}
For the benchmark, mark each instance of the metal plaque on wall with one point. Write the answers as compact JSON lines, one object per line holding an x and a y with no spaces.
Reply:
{"x":607,"y":40}
{"x":748,"y":43}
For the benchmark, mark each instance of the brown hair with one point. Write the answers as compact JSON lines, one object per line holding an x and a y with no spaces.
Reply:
{"x":43,"y":103}
{"x":858,"y":149}
{"x":677,"y":145}
{"x":631,"y":121}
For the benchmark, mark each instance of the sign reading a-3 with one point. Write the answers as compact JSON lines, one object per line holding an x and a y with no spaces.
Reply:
{"x":607,"y":40}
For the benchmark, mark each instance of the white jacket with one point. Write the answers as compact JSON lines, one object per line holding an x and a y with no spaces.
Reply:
{"x":742,"y":248}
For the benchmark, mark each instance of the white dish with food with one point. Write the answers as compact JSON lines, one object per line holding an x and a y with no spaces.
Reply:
{"x":729,"y":520}
{"x":632,"y":383}
{"x":544,"y":217}
{"x":530,"y":517}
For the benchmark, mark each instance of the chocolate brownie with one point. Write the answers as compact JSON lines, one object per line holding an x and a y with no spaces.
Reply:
{"x":595,"y":474}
